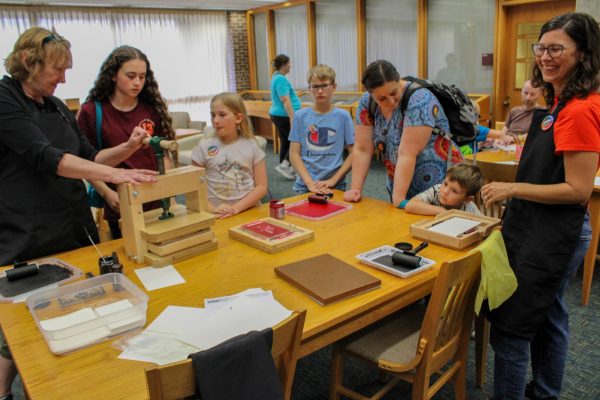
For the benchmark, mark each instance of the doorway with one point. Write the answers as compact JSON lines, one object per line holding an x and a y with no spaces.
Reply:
{"x":518,"y":27}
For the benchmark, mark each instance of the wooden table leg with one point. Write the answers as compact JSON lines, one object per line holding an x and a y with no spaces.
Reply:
{"x":482,"y":335}
{"x":590,"y":257}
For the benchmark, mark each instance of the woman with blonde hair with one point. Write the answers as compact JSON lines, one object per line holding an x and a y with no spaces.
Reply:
{"x":43,"y":157}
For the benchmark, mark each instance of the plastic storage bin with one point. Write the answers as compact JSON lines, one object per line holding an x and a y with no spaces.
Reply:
{"x":86,"y":312}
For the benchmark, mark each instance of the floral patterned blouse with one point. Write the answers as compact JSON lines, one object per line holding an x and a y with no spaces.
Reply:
{"x":423,"y":109}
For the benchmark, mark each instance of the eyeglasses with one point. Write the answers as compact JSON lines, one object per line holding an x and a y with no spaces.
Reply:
{"x":324,"y":86}
{"x":554,"y":50}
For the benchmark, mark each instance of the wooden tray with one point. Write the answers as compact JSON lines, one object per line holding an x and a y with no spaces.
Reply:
{"x":421,"y":230}
{"x":271,"y":235}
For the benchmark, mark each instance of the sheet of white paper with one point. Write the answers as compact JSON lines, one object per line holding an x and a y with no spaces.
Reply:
{"x":157,"y":348}
{"x":255,"y":293}
{"x":454,"y":226}
{"x":240,"y":316}
{"x":68,"y":320}
{"x":175,"y":319}
{"x":597,"y":181}
{"x":509,"y":147}
{"x":159,"y":277}
{"x":113,"y":307}
{"x":507,"y":162}
{"x":78,"y":340}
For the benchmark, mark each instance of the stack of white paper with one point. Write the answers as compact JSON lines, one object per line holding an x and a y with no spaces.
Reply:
{"x":186,"y":330}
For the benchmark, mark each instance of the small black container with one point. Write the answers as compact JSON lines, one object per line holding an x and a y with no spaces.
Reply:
{"x":110,"y":264}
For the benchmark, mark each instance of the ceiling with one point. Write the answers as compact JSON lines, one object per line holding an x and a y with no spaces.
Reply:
{"x":172,"y":4}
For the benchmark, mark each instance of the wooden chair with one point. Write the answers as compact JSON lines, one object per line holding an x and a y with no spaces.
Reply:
{"x":494,"y":172}
{"x":417,"y":343}
{"x":499,"y":125}
{"x":177,"y":380}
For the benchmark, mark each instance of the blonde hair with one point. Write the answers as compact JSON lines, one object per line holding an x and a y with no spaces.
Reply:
{"x":321,"y":72}
{"x":234,"y":103}
{"x":33,"y":49}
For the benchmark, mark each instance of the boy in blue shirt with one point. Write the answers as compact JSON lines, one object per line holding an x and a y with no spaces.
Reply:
{"x":319,"y":136}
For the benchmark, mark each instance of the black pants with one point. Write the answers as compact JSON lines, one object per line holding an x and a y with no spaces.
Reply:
{"x":283,"y":130}
{"x":115,"y":229}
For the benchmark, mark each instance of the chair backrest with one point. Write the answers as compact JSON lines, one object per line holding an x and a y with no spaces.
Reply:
{"x":494,"y":172}
{"x":499,"y":125}
{"x":181,"y":119}
{"x":449,"y":316}
{"x":177,"y":380}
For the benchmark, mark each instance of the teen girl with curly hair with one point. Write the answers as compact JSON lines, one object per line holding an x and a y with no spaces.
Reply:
{"x":127,"y":95}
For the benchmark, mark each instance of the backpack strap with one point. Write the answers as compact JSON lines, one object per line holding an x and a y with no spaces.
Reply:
{"x":98,"y":125}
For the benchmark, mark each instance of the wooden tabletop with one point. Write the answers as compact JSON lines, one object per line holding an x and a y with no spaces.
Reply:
{"x":494,"y":156}
{"x":95,"y":372}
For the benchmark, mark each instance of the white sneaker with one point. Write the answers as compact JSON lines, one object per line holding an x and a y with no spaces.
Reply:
{"x":285,"y":171}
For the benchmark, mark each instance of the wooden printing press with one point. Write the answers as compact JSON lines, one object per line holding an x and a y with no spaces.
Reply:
{"x":172,"y":233}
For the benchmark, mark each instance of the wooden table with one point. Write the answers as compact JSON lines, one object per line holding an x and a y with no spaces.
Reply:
{"x":594,"y":208}
{"x":95,"y":372}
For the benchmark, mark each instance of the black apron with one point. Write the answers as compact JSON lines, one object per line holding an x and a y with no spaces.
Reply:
{"x":540,"y":238}
{"x":43,"y":213}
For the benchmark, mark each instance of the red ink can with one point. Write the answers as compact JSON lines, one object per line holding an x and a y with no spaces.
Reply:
{"x":277,"y":209}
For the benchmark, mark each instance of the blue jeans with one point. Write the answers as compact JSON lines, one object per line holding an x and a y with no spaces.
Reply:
{"x":548,"y":348}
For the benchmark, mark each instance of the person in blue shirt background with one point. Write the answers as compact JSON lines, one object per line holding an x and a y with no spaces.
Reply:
{"x":319,"y":136}
{"x":284,"y":103}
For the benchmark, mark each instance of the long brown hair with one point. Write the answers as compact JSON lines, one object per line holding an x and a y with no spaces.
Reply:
{"x":104,"y":85}
{"x":585,"y":79}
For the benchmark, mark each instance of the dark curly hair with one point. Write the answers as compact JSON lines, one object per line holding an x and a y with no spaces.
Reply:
{"x":585,"y":79}
{"x":104,"y":85}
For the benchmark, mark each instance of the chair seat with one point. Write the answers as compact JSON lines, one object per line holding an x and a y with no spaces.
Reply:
{"x":394,"y":338}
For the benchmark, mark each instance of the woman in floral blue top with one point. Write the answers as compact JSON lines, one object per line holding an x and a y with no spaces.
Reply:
{"x":415,"y":159}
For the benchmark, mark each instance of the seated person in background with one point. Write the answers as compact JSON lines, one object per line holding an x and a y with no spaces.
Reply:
{"x":235,"y":165}
{"x":519,"y":118}
{"x":457,"y":191}
{"x":319,"y":136}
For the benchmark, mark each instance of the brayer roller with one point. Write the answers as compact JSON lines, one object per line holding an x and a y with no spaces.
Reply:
{"x":409,"y":259}
{"x":319,"y":198}
{"x":22,"y":270}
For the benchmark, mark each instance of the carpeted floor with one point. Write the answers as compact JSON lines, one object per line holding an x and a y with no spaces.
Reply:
{"x":581,"y":378}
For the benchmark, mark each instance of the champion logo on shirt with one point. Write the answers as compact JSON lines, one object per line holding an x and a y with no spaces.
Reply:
{"x":213,"y":150}
{"x":318,"y":139}
{"x":148,"y":125}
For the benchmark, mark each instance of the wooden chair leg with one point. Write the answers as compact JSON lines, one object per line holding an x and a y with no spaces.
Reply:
{"x":460,"y":383}
{"x":482,"y":336}
{"x":337,"y":373}
{"x":420,"y":383}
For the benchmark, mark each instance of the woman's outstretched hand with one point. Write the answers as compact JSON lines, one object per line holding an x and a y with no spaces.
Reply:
{"x":135,"y":176}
